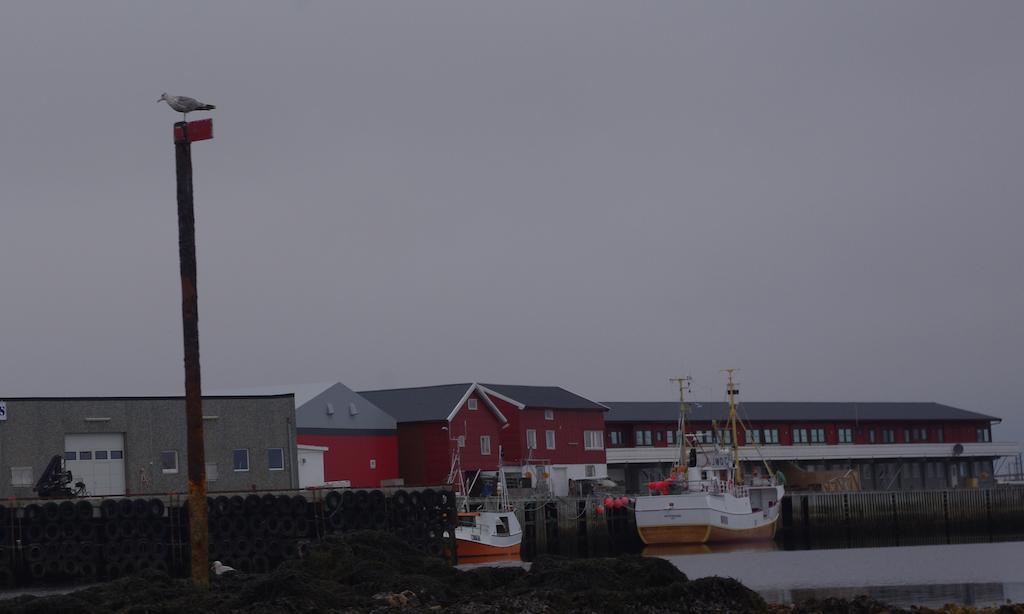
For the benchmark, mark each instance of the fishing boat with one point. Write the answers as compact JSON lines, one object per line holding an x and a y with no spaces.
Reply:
{"x":490,"y":529}
{"x":704,"y":499}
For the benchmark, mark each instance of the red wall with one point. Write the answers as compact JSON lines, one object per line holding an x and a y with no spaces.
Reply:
{"x":568,"y":424}
{"x":513,"y":442}
{"x":475,"y":424}
{"x":348,"y":457}
{"x":425,"y":450}
{"x":423,"y":453}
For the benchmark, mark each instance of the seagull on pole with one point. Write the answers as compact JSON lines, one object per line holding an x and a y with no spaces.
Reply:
{"x":184,"y":104}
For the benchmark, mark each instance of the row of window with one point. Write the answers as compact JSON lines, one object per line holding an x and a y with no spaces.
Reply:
{"x":85,"y":455}
{"x":592,"y":440}
{"x":473,"y":405}
{"x":800,"y":436}
{"x":239,"y":460}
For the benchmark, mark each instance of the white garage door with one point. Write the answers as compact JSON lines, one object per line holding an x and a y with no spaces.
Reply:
{"x":98,"y":460}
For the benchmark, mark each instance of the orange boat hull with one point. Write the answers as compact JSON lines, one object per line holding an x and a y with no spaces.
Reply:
{"x":467,"y":548}
{"x":703,"y":534}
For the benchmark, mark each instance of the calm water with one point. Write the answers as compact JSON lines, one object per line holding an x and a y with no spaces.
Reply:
{"x":971,"y":574}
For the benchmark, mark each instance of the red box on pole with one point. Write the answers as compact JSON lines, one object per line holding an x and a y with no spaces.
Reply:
{"x":200,"y":130}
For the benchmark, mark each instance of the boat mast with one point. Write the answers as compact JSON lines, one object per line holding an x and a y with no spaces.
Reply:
{"x":684,"y":385}
{"x":733,"y":391}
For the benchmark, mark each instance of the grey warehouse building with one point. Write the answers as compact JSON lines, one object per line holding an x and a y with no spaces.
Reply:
{"x":137,"y":445}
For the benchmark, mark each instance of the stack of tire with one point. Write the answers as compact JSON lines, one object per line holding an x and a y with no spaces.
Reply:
{"x":425,"y":519}
{"x":8,"y":520}
{"x":255,"y":533}
{"x":58,"y":542}
{"x":135,"y":535}
{"x":355,"y":510}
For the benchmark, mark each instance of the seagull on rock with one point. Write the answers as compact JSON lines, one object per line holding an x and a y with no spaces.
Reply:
{"x":184,"y":104}
{"x":219,"y":568}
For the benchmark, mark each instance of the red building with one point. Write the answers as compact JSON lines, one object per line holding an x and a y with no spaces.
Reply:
{"x":435,"y":422}
{"x":554,"y":436}
{"x":361,"y":441}
{"x":342,"y":438}
{"x":889,"y":445}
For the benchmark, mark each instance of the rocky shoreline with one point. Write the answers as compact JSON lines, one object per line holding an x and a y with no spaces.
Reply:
{"x":376,"y":572}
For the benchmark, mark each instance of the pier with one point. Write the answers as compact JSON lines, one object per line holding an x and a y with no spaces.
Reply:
{"x":571,"y":526}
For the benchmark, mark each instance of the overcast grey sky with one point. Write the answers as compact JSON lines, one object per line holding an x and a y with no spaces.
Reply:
{"x":597,"y":195}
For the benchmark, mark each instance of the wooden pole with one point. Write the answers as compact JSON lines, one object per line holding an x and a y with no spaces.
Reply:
{"x":197,"y":513}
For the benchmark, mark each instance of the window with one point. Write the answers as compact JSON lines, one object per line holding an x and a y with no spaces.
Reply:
{"x":845,"y":435}
{"x":101,"y":455}
{"x":771,"y":436}
{"x":21,"y":476}
{"x":670,"y":438}
{"x":116,"y":454}
{"x":725,"y":436}
{"x":275,"y":459}
{"x":906,"y":435}
{"x":920,"y":434}
{"x":657,"y":436}
{"x":590,"y":471}
{"x":373,"y":463}
{"x":984,"y":435}
{"x":705,"y":436}
{"x":888,"y":436}
{"x":549,"y":414}
{"x":799,"y":436}
{"x":211,"y":472}
{"x":485,"y":444}
{"x":593,"y":440}
{"x":169,"y":461}
{"x":531,"y":439}
{"x":549,"y":440}
{"x":616,"y":438}
{"x":753,"y":436}
{"x":240,"y":459}
{"x":643,"y":438}
{"x":817,"y":435}
{"x":939,"y":435}
{"x":871,"y":436}
{"x":70,"y":456}
{"x":471,"y":405}
{"x":85,"y":455}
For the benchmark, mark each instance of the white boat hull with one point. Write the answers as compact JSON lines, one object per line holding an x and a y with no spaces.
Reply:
{"x":701,"y":517}
{"x":488,"y":533}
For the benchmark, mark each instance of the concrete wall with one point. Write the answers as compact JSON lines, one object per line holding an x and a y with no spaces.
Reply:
{"x":35,"y":428}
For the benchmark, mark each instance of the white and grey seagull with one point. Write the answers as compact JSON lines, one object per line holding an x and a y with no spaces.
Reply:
{"x":184,"y":104}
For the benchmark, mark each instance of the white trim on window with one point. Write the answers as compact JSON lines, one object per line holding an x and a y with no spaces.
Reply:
{"x":471,"y":405}
{"x":593,"y":440}
{"x":549,"y":414}
{"x":240,"y":463}
{"x":21,"y":476}
{"x":270,"y":459}
{"x":485,"y":445}
{"x":169,"y":461}
{"x":549,"y":440}
{"x":531,"y":439}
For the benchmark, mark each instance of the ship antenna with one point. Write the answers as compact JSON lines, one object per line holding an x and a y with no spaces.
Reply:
{"x":733,"y":391}
{"x":684,"y":387}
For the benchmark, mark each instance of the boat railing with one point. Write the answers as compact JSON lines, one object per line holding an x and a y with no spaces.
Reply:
{"x":713,"y":487}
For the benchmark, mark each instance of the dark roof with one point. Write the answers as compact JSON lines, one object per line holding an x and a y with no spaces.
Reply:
{"x":418,"y":404}
{"x":552,"y":397}
{"x":661,"y":411}
{"x":148,"y":398}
